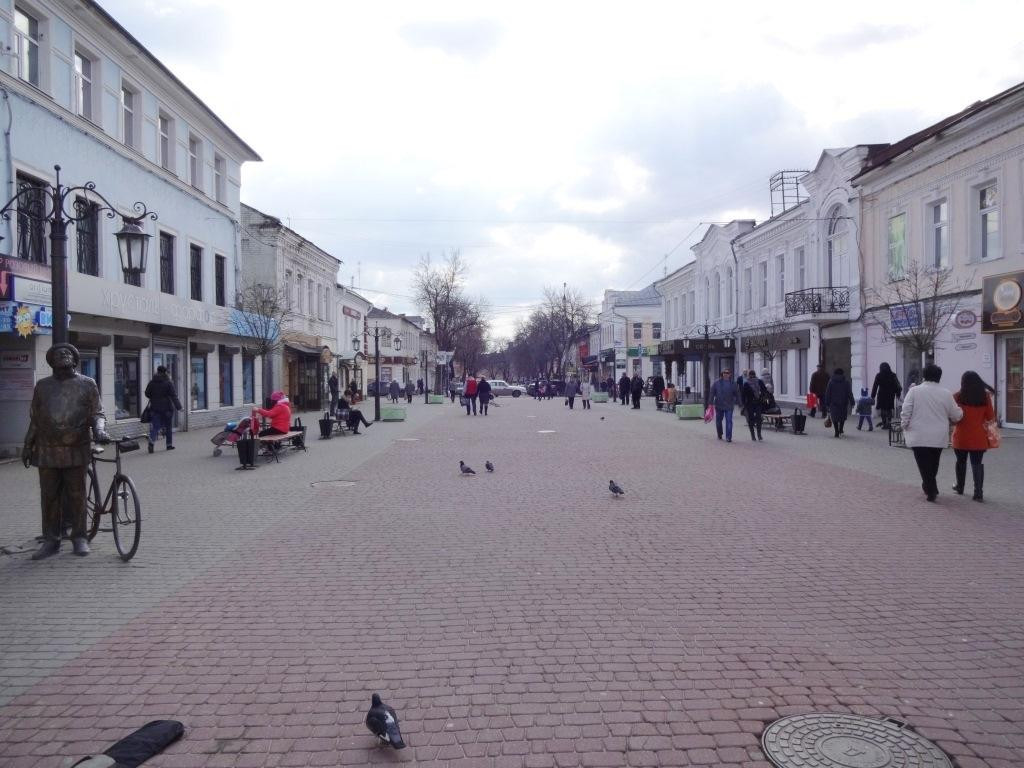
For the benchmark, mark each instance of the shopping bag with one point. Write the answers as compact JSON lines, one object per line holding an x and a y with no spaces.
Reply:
{"x":828,"y":422}
{"x":146,"y":416}
{"x":992,"y":433}
{"x":709,"y":414}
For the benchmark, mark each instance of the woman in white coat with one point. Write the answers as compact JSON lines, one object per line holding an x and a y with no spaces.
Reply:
{"x":928,"y":411}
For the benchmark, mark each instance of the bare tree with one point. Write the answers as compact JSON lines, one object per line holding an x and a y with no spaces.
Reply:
{"x":439,"y":292}
{"x":917,"y":307}
{"x":769,"y":338}
{"x":261,"y":312}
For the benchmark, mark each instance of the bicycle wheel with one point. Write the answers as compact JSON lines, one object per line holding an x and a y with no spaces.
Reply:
{"x":126,"y":517}
{"x":93,"y":504}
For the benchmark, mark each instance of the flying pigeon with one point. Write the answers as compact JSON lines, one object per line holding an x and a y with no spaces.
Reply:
{"x":382,"y":721}
{"x":489,"y":466}
{"x":614,"y":488}
{"x":465,"y":468}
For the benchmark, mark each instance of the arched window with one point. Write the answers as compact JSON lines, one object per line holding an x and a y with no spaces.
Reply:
{"x":717,"y":296}
{"x":837,"y":258}
{"x":707,"y":299}
{"x":730,"y":290}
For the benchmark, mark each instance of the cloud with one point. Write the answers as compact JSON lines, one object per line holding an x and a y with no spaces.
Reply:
{"x":470,"y":39}
{"x":863,"y":36}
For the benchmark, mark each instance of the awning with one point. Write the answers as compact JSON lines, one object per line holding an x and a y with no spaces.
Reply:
{"x":202,"y":348}
{"x":131,"y":342}
{"x":225,"y":349}
{"x":90,"y":340}
{"x":302,"y":349}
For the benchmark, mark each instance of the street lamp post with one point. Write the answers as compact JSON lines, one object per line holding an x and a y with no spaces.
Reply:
{"x":706,"y":330}
{"x":132,"y":241}
{"x":378,"y":334}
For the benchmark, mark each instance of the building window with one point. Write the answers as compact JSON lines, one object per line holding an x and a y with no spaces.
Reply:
{"x":87,"y":236}
{"x":31,"y":212}
{"x":220,"y":170}
{"x":780,"y":270}
{"x":836,"y":249}
{"x":83,"y":85}
{"x":938,"y":243}
{"x":165,"y":126}
{"x":288,"y":298}
{"x":198,"y":382}
{"x":716,"y":296}
{"x":298,"y":294}
{"x":227,"y":390}
{"x":309,"y":297}
{"x":748,"y":289}
{"x":26,"y":43}
{"x":656,"y":368}
{"x":637,"y":363}
{"x":988,"y":211}
{"x":693,"y":306}
{"x":195,"y":162}
{"x":319,"y":301}
{"x":638,"y":331}
{"x":129,"y":109}
{"x":763,"y":268}
{"x":730,"y":289}
{"x":897,"y":246}
{"x":166,"y":263}
{"x":248,"y":378}
{"x":656,"y":331}
{"x":220,"y":276}
{"x":89,"y":365}
{"x":682,"y":310}
{"x":196,"y":264}
{"x":801,"y":269}
{"x":783,"y":372}
{"x":801,"y":372}
{"x":126,"y":385}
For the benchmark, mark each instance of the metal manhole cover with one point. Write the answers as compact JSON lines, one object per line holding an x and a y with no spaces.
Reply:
{"x":848,"y":741}
{"x":545,"y":431}
{"x":332,"y":484}
{"x":407,"y":440}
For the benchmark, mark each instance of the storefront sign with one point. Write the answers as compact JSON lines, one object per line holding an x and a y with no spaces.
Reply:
{"x":1002,"y":302}
{"x":607,"y":355}
{"x":755,"y":342}
{"x":25,"y":319}
{"x":16,"y":384}
{"x":694,"y":348}
{"x":965,"y":318}
{"x":15,"y":360}
{"x":29,"y":291}
{"x":24,"y":268}
{"x":905,"y":317}
{"x":350,"y":312}
{"x":965,"y":346}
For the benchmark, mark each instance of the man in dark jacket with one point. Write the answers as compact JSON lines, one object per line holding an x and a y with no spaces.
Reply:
{"x":753,"y":392}
{"x":163,"y":402}
{"x":624,"y":387}
{"x":332,"y":385}
{"x":483,"y":393}
{"x":838,"y":400}
{"x":818,"y":384}
{"x":658,"y":385}
{"x":723,"y":396}
{"x":636,"y":389}
{"x":884,"y":392}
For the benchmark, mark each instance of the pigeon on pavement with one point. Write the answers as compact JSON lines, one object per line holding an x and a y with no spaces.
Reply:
{"x":382,"y":721}
{"x":489,"y":466}
{"x":465,"y":468}
{"x":614,"y":488}
{"x":602,"y":418}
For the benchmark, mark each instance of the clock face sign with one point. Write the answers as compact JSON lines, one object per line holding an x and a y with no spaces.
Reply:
{"x":1001,"y":297}
{"x":1006,"y":296}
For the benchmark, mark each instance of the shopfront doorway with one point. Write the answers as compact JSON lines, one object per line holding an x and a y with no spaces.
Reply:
{"x":171,"y":358}
{"x":836,"y":354}
{"x":1014,"y":413}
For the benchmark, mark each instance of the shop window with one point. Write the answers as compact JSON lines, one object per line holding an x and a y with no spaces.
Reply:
{"x":248,"y":378}
{"x":126,"y":385}
{"x":89,"y":365}
{"x":227,"y":396}
{"x":801,"y":372}
{"x":198,"y":383}
{"x":783,"y":372}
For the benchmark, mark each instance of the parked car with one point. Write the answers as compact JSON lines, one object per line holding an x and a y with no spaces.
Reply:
{"x":501,"y":388}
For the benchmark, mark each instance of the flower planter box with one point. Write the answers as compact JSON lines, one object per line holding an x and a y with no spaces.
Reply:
{"x":435,"y":399}
{"x":690,"y":411}
{"x":599,"y":397}
{"x":392,"y":413}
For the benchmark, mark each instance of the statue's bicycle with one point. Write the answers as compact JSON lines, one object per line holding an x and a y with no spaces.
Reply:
{"x":121,"y":501}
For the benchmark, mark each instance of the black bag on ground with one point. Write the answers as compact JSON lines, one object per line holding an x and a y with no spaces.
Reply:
{"x":300,"y":441}
{"x":799,"y":421}
{"x":136,"y":748}
{"x":326,"y":426}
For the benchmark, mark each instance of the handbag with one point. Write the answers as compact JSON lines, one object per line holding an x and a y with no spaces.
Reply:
{"x":146,"y":417}
{"x":992,"y":434}
{"x":463,"y":401}
{"x":709,"y":414}
{"x":828,"y":422}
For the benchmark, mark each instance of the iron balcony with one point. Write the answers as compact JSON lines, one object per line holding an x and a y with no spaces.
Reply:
{"x":829,"y":300}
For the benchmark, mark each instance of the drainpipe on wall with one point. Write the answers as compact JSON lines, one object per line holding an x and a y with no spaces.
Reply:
{"x":10,"y":162}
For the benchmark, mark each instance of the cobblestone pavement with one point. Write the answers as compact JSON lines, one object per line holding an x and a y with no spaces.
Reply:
{"x":525,"y":618}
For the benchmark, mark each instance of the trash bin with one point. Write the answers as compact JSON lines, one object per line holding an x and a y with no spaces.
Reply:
{"x":326,"y":426}
{"x":799,"y":421}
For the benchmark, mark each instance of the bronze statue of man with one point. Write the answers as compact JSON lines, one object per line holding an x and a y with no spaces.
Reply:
{"x":64,"y":415}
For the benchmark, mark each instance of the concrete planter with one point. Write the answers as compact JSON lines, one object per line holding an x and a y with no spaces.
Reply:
{"x":435,"y":399}
{"x":392,"y":413}
{"x":690,"y":411}
{"x":599,"y":397}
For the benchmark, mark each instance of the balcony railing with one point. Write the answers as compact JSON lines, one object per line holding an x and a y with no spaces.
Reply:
{"x":811,"y":301}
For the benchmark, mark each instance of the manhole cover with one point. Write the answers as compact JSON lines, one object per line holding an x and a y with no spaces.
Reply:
{"x":332,"y":484}
{"x":847,"y":741}
{"x":407,"y":440}
{"x":545,"y":431}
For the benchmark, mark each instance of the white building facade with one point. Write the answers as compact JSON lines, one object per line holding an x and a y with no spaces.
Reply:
{"x":630,"y":328}
{"x":351,"y":310}
{"x":86,"y":95}
{"x":273,"y":254}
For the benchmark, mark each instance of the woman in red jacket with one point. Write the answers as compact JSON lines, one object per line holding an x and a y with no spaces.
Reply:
{"x":280,"y":415}
{"x":970,"y":438}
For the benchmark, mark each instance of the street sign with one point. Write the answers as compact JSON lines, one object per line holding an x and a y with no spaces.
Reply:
{"x":28,"y":291}
{"x":905,"y":317}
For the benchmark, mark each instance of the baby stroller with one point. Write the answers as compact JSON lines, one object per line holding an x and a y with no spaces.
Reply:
{"x":233,"y":432}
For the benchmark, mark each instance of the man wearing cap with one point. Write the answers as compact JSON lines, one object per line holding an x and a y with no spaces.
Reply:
{"x":64,"y":416}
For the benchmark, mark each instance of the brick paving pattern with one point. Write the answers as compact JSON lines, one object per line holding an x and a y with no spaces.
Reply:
{"x":526,"y":618}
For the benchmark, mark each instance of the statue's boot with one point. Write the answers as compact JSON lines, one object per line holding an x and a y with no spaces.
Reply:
{"x":81,"y":546}
{"x":47,"y":548}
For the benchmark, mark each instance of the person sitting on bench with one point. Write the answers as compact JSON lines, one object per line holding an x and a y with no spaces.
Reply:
{"x":280,"y":415}
{"x":355,"y":416}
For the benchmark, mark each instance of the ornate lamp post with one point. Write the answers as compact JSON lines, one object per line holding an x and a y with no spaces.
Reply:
{"x":706,"y":330}
{"x":47,"y":205}
{"x":378,"y":334}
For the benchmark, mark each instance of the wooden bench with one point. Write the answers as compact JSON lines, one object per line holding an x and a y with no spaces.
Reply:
{"x":341,"y":421}
{"x":273,"y":442}
{"x":779,"y":420}
{"x":896,"y":437}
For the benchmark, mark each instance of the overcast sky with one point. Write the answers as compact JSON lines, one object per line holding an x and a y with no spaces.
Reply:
{"x":553,"y":142}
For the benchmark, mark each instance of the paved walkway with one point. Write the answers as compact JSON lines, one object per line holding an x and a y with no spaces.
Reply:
{"x":524,"y":618}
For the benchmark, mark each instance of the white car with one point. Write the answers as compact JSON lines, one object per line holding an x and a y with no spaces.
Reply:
{"x":500,"y":387}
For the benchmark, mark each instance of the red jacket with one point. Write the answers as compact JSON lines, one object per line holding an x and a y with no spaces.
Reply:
{"x":470,"y":387}
{"x":969,"y":433}
{"x":280,"y":416}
